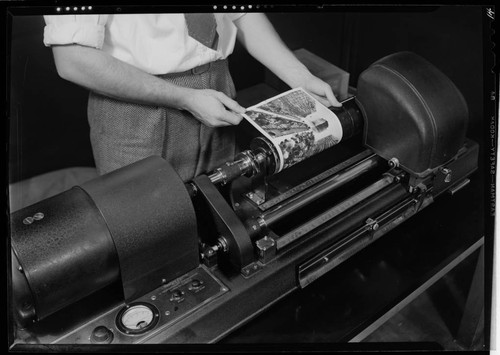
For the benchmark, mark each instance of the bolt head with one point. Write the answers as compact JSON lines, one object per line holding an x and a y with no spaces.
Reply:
{"x":28,"y":220}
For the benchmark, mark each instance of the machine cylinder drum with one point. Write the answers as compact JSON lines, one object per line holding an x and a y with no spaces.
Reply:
{"x":64,"y":252}
{"x":135,"y":225}
{"x":350,"y":118}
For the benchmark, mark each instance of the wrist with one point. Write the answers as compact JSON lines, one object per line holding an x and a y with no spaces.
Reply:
{"x":297,"y":77}
{"x":183,"y":98}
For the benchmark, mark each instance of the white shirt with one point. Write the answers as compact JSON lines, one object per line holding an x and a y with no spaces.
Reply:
{"x":155,"y":43}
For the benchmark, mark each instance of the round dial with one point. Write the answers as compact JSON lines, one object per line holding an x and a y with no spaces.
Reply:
{"x":137,"y":318}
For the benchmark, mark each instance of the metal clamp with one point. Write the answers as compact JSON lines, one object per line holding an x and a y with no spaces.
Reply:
{"x":447,"y":172}
{"x":371,"y":224}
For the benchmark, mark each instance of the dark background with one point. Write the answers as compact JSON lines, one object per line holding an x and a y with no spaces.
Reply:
{"x":48,"y":123}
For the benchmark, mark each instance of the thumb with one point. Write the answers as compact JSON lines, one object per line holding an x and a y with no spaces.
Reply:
{"x":331,"y":97}
{"x":230,"y":103}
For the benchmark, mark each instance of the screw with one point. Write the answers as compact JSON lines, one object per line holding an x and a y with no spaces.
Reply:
{"x":167,"y":313}
{"x":394,"y":163}
{"x":153,"y":298}
{"x":38,"y":216}
{"x":28,"y":220}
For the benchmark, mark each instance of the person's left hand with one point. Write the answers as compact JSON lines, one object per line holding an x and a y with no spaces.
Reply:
{"x":320,"y":90}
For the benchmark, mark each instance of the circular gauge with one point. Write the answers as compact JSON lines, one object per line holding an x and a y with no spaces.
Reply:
{"x":137,"y":318}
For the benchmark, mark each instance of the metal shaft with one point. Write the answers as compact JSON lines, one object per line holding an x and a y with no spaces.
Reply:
{"x":295,"y":203}
{"x":333,"y":212}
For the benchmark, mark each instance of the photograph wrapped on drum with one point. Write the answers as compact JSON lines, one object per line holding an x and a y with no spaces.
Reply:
{"x":297,"y":125}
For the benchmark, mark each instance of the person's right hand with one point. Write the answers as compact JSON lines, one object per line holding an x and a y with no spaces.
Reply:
{"x":213,"y":108}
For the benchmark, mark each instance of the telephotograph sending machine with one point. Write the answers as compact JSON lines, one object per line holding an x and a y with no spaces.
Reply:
{"x":194,"y":261}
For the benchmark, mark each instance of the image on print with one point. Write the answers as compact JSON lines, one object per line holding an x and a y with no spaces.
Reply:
{"x":300,"y":146}
{"x":296,"y":104}
{"x":277,"y":126}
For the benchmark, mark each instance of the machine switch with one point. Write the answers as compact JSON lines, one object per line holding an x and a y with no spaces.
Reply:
{"x":101,"y":335}
{"x":177,"y":296}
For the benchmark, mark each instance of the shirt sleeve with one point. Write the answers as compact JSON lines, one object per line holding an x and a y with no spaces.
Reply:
{"x":85,"y":30}
{"x":233,"y":16}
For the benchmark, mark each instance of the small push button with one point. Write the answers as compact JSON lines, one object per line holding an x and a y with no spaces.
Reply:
{"x":196,"y":285}
{"x":101,"y":335}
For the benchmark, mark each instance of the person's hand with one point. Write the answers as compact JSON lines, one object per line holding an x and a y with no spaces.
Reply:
{"x":213,"y":108}
{"x":320,"y":90}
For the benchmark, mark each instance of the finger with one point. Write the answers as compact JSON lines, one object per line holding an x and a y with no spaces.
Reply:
{"x":231,"y":118}
{"x":322,"y":100}
{"x":331,"y":97}
{"x":216,"y":122}
{"x":230,"y":103}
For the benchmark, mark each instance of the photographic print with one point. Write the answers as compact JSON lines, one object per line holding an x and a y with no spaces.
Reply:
{"x":297,"y":124}
{"x":294,"y":104}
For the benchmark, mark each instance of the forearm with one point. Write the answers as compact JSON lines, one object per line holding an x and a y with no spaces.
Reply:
{"x":102,"y":73}
{"x":260,"y":39}
{"x":257,"y":34}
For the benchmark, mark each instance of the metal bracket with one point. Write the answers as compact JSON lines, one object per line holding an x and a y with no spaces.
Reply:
{"x":266,"y":249}
{"x":255,"y":197}
{"x":250,"y":270}
{"x":238,"y":244}
{"x":447,"y":173}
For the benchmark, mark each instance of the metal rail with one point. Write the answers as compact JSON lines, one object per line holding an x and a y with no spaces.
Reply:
{"x":333,"y":212}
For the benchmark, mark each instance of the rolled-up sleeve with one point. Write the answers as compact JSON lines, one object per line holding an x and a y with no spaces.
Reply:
{"x":233,"y":16}
{"x":85,"y":30}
